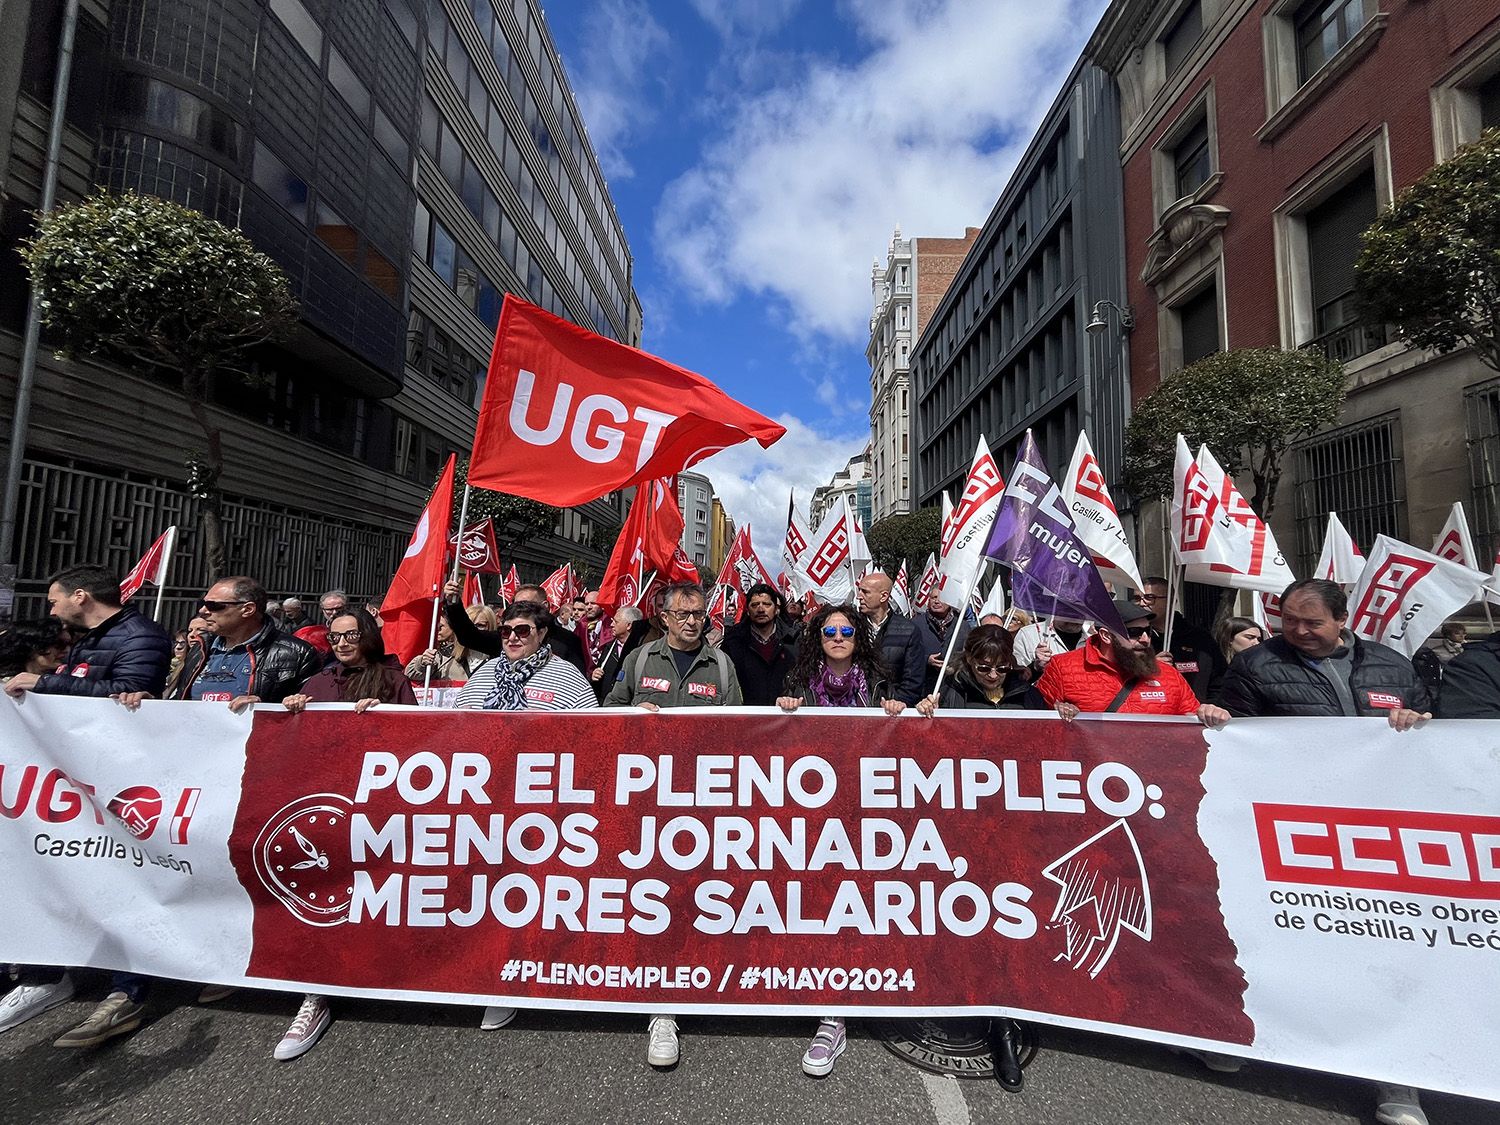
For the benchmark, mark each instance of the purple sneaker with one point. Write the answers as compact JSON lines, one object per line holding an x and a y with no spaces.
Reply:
{"x":827,"y":1045}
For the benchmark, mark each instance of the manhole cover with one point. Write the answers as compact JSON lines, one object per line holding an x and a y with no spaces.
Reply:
{"x":959,"y":1047}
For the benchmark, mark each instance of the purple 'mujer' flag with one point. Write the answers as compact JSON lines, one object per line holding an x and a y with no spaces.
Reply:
{"x":1035,"y":537}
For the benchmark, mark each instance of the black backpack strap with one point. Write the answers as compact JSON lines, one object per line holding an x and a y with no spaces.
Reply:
{"x":1119,"y":701}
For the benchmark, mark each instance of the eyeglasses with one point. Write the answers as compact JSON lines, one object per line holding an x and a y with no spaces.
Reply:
{"x":219,"y":607}
{"x":1146,"y":599}
{"x":179,"y":644}
{"x":521,"y":632}
{"x":845,"y":631}
{"x":686,"y":616}
{"x":987,"y":669}
{"x":350,"y":635}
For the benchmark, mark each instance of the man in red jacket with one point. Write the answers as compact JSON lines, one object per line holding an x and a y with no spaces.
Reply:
{"x":1121,"y":674}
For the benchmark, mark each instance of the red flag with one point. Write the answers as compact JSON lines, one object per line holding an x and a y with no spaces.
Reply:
{"x":408,"y":605}
{"x":723,"y":607}
{"x":152,"y":567}
{"x":560,"y":586}
{"x":509,"y":587}
{"x":473,"y":592}
{"x":742,"y":566}
{"x":648,"y":542}
{"x":569,"y":416}
{"x":476,"y":548}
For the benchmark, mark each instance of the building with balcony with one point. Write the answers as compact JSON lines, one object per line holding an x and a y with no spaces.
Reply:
{"x":695,"y":496}
{"x":407,"y":163}
{"x":1008,"y":348}
{"x":1259,"y":138}
{"x":906,"y":290}
{"x":853,"y":481}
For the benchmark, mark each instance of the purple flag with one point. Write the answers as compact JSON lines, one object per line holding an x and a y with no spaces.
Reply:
{"x":1034,"y":536}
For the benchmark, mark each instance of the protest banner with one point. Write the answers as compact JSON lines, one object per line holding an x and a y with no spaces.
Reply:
{"x":1223,"y":890}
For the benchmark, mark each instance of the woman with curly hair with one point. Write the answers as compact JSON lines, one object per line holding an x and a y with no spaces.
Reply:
{"x":837,"y":665}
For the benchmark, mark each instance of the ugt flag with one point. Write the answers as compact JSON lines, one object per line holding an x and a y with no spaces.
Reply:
{"x":569,"y":415}
{"x":1034,"y":536}
{"x":647,"y":547}
{"x":1405,"y":593}
{"x":408,"y":606}
{"x":742,"y":566}
{"x":152,"y":567}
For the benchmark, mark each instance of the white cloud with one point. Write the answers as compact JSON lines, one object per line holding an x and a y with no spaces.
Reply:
{"x":740,"y":19}
{"x":752,"y":483}
{"x":620,"y":50}
{"x":806,"y":181}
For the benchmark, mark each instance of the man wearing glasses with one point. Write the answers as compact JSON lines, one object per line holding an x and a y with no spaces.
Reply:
{"x":679,"y":670}
{"x":248,"y":660}
{"x":1121,"y":674}
{"x":1194,"y":652}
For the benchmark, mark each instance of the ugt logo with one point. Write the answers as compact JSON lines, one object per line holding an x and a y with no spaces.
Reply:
{"x":1384,"y":600}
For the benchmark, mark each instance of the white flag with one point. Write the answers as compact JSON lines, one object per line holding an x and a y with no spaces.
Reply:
{"x":967,"y":532}
{"x":994,"y":602}
{"x":1095,"y":517}
{"x":1203,"y":532}
{"x":1404,"y":594}
{"x":1341,"y":560}
{"x":838,"y":553}
{"x":794,"y":549}
{"x":1453,"y":542}
{"x":928,"y":582}
{"x":1266,"y":610}
{"x":901,"y":590}
{"x":1260,"y":564}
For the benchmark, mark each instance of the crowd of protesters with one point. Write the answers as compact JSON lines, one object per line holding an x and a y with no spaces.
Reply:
{"x":241,"y":649}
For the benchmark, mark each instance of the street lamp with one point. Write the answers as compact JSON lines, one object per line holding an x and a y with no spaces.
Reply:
{"x":1097,"y":323}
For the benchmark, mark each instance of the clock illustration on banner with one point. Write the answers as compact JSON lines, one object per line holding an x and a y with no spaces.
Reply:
{"x":302,"y":857}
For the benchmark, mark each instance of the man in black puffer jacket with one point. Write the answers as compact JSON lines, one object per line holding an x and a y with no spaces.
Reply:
{"x":115,"y":650}
{"x":1471,"y":682}
{"x":247,"y":659}
{"x":762,"y":647}
{"x":901,"y":647}
{"x":1317,"y":668}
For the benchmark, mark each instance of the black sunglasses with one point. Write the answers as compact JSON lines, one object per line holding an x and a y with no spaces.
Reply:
{"x":521,"y":632}
{"x":219,"y":607}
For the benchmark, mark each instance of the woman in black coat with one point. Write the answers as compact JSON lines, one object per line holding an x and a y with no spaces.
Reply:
{"x":986,"y":678}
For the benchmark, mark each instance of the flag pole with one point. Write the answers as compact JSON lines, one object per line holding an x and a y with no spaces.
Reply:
{"x":463,"y":517}
{"x":166,"y":564}
{"x":437,"y":608}
{"x":937,"y":689}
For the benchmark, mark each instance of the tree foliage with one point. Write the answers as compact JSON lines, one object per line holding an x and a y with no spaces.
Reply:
{"x":136,"y":279}
{"x":517,"y":519}
{"x":1431,"y":262}
{"x":1249,"y":405}
{"x":911,"y":537}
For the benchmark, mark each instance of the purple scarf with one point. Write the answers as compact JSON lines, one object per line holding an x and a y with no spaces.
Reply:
{"x":849,"y":690}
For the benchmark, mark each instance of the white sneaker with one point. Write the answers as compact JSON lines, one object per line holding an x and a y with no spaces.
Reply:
{"x":312,"y":1020}
{"x":661,"y":1049}
{"x":495,"y":1018}
{"x":1398,"y":1105}
{"x":27,"y":1000}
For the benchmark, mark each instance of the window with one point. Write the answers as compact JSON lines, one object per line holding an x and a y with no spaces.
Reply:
{"x":1355,"y":471}
{"x":421,"y":231}
{"x":391,"y":139}
{"x":432,"y":126}
{"x":347,"y":83}
{"x":336,"y":234}
{"x":416,"y":339}
{"x":1333,"y":243}
{"x":382,"y":273}
{"x":404,"y":18}
{"x":299,"y":21}
{"x":1482,"y":428}
{"x":1198,"y":321}
{"x":473,"y":190}
{"x":1322,"y":27}
{"x":1192,"y":160}
{"x":1488,"y":94}
{"x":1180,"y":39}
{"x":178,"y":112}
{"x":277,"y":181}
{"x":443,"y":251}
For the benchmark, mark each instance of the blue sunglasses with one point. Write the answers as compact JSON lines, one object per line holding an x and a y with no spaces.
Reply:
{"x":845,"y":631}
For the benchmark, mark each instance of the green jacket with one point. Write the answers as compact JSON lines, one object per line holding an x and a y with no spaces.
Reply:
{"x":649,"y":675}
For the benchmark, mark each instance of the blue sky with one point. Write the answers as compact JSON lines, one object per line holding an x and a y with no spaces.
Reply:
{"x":760,"y":154}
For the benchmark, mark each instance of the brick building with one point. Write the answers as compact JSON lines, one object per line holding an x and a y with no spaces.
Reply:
{"x":1259,"y":138}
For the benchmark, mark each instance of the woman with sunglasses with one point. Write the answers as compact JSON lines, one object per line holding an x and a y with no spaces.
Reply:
{"x":837,"y":665}
{"x":361,"y":676}
{"x":986,"y":679}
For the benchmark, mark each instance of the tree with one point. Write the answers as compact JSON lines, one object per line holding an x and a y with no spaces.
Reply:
{"x":1430,"y":266}
{"x":1249,"y":405}
{"x":517,"y":519}
{"x":134,"y":278}
{"x":911,"y":537}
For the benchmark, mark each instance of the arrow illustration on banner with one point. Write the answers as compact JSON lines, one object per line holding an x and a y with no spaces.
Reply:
{"x":1103,"y":890}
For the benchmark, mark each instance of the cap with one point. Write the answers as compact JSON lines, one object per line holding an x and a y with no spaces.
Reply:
{"x":1129,"y":612}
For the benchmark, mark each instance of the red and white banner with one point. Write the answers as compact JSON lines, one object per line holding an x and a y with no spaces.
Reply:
{"x":927,"y":583}
{"x":152,"y":567}
{"x":1258,"y":563}
{"x":1405,"y":594}
{"x":561,"y":587}
{"x":1096,"y":519}
{"x":476,"y":548}
{"x":569,"y":415}
{"x":1221,"y":890}
{"x":510,"y":585}
{"x":965,"y":533}
{"x":794,"y":549}
{"x":1340,"y":560}
{"x":837,"y":554}
{"x":901,"y":590}
{"x":1203,"y":531}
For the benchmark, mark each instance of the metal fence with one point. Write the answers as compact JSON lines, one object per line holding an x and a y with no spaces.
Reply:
{"x":1482,"y":436}
{"x":70,"y":515}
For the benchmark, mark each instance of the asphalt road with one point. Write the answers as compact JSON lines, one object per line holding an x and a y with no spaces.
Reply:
{"x":423,"y":1063}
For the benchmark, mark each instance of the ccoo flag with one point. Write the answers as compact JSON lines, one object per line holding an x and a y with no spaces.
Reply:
{"x":1034,"y":536}
{"x":569,"y":415}
{"x":1095,"y":517}
{"x":1340,"y":561}
{"x":965,"y":531}
{"x":1404,"y":594}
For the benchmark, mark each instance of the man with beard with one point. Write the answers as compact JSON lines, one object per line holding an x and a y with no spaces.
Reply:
{"x":761,"y":648}
{"x":1121,"y":674}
